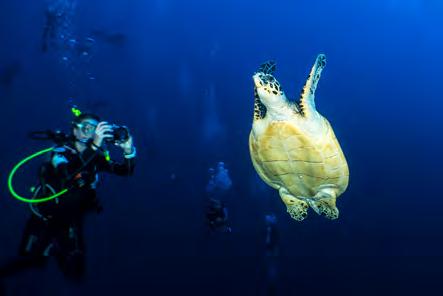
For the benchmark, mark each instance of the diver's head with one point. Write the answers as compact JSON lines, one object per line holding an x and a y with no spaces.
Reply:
{"x":84,"y":126}
{"x":270,"y":219}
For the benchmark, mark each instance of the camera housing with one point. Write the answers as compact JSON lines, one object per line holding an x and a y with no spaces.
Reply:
{"x":120,"y":134}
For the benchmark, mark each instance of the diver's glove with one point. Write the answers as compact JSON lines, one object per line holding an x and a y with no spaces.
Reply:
{"x":132,"y":154}
{"x":103,"y":131}
{"x":128,"y":148}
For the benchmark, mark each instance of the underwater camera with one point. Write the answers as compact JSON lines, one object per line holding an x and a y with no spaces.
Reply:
{"x":120,"y":134}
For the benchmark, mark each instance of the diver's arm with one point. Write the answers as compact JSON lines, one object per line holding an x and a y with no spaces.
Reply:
{"x":125,"y":168}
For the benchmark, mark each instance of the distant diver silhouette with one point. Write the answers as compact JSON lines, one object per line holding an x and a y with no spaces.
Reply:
{"x":216,"y":212}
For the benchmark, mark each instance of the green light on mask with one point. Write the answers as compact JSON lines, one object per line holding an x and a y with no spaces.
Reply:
{"x":76,"y":111}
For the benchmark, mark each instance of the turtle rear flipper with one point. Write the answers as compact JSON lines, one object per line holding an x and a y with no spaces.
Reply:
{"x":324,"y":204}
{"x":297,"y":209}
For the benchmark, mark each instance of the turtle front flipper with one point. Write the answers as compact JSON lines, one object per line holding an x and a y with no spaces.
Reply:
{"x":307,"y":102}
{"x":298,"y":209}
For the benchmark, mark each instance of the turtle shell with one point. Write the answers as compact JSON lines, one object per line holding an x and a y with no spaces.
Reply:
{"x":287,"y":156}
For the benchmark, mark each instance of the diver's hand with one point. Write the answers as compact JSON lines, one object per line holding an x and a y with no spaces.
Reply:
{"x":128,"y":147}
{"x":102,"y":132}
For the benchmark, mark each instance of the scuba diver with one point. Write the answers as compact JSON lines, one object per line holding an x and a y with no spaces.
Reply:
{"x":58,"y":33}
{"x":216,"y":211}
{"x":49,"y":31}
{"x":65,"y":43}
{"x":55,"y":226}
{"x":272,"y":236}
{"x":271,"y":255}
{"x":217,"y":216}
{"x":58,"y":20}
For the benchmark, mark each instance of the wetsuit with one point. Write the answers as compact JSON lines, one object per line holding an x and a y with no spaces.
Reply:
{"x":55,"y":227}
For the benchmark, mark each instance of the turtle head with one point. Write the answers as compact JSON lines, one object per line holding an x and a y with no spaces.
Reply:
{"x":268,"y":90}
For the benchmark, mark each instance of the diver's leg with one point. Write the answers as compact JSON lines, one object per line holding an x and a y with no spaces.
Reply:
{"x":35,"y":241}
{"x":298,"y":209}
{"x":71,"y":254}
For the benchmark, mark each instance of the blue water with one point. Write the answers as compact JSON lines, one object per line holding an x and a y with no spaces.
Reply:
{"x":179,"y":76}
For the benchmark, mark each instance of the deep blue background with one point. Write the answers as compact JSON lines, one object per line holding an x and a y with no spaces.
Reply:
{"x":182,"y":83}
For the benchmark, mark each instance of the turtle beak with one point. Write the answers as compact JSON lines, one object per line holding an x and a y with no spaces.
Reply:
{"x":257,"y":81}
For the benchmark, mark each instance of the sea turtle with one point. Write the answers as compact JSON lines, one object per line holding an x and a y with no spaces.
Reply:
{"x":293,"y":147}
